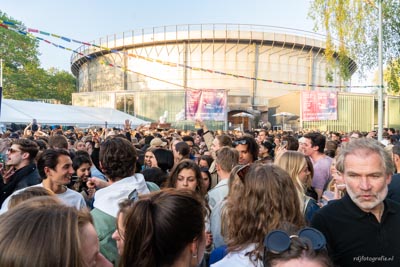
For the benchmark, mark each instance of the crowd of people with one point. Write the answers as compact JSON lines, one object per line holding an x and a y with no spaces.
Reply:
{"x":151,"y":197}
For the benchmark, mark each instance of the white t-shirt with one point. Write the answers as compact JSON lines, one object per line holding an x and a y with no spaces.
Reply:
{"x":69,"y":197}
{"x":238,"y":259}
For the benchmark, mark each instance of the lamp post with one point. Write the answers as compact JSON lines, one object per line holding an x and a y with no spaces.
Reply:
{"x":380,"y":70}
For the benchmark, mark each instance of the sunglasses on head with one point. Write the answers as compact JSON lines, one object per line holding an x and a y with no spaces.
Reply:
{"x":240,"y":142}
{"x":133,"y":196}
{"x":279,"y":241}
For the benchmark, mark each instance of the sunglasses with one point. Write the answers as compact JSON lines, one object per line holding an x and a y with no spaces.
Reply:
{"x":12,"y":150}
{"x":133,"y":196}
{"x":240,"y":142}
{"x":279,"y":241}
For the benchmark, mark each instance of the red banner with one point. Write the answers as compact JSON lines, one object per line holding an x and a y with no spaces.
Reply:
{"x":318,"y":105}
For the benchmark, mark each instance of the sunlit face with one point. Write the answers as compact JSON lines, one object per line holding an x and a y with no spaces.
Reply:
{"x":305,"y":147}
{"x":366,"y":180}
{"x":89,"y":146}
{"x":119,"y":233}
{"x":15,"y":157}
{"x":334,"y":137}
{"x":150,"y":159}
{"x":335,"y":174}
{"x":186,"y":180}
{"x":206,"y":179}
{"x":83,"y":172}
{"x":245,"y":157}
{"x":261,"y":137}
{"x":62,"y":173}
{"x":80,"y":146}
{"x":277,"y":141}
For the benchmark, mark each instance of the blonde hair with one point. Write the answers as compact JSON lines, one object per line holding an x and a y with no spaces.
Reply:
{"x":293,"y":163}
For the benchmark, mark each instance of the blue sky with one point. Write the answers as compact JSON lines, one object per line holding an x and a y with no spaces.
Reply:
{"x":86,"y":20}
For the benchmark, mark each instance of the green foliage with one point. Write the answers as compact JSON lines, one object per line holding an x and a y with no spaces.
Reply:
{"x":392,"y":76}
{"x":354,"y":24}
{"x":23,"y":78}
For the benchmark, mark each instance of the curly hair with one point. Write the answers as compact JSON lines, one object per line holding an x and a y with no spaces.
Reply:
{"x":267,"y":198}
{"x":117,"y":158}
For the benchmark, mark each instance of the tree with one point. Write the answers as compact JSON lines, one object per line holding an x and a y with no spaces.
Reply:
{"x":23,"y":77}
{"x":353,"y":24}
{"x":392,"y":76}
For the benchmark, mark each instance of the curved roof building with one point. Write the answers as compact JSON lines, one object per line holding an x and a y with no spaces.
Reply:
{"x":149,"y":71}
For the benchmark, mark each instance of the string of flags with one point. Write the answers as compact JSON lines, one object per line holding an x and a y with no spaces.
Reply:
{"x":30,"y":33}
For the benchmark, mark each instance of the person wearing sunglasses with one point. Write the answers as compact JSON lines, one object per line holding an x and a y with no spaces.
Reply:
{"x":248,"y":149}
{"x":289,"y":248}
{"x":21,"y":167}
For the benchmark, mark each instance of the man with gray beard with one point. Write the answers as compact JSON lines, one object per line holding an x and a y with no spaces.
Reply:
{"x":362,"y":228}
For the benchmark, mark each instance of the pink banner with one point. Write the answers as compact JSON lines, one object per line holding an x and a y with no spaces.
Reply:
{"x":206,"y":104}
{"x":318,"y":105}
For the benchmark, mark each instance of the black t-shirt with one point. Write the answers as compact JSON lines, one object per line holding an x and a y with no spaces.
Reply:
{"x":356,"y":238}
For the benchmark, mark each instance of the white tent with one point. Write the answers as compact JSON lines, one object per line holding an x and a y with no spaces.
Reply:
{"x":22,"y":112}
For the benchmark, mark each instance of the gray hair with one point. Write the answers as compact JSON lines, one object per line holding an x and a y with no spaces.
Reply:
{"x":364,"y":144}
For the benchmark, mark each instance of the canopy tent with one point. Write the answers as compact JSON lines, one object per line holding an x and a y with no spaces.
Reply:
{"x":22,"y":112}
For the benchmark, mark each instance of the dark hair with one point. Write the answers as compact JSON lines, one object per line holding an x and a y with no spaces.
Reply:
{"x":49,"y":158}
{"x":80,"y":158}
{"x":155,"y":175}
{"x":251,"y":143}
{"x":331,"y":148}
{"x":206,"y":171}
{"x":117,"y":158}
{"x":318,"y":140}
{"x":183,"y":149}
{"x":310,"y":166}
{"x":27,"y":146}
{"x":58,"y":141}
{"x":268,"y":146}
{"x":188,"y":138}
{"x":293,"y":143}
{"x":165,"y":159}
{"x":42,"y":144}
{"x":147,"y":139}
{"x":207,"y":158}
{"x":186,"y":164}
{"x":396,"y":149}
{"x":159,"y":227}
